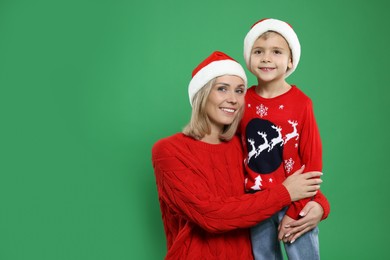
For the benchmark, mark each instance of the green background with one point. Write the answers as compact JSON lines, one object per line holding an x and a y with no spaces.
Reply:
{"x":87,"y":87}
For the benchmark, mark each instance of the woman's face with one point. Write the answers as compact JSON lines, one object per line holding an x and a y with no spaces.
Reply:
{"x":224,"y":101}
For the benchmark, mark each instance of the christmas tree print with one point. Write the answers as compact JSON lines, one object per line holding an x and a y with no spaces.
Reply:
{"x":257,"y":183}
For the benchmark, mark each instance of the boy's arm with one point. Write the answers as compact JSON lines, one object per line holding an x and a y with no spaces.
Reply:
{"x":324,"y":203}
{"x":295,"y":208}
{"x":310,"y":153}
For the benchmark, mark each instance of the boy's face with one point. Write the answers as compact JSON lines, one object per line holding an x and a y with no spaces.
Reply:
{"x":270,"y":57}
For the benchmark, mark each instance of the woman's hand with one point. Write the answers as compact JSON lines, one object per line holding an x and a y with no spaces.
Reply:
{"x":290,"y":229}
{"x":284,"y":229}
{"x":303,"y":185}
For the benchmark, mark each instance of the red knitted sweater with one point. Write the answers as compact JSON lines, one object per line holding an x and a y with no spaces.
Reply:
{"x":205,"y":209}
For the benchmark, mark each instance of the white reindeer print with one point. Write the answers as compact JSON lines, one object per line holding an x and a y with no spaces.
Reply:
{"x":264,"y":145}
{"x":277,"y":139}
{"x":294,"y":133}
{"x":253,"y":151}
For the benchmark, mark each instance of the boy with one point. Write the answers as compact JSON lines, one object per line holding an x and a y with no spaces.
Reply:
{"x":279,"y":135}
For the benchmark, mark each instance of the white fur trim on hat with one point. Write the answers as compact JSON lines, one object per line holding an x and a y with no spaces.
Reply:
{"x":280,"y":27}
{"x":212,"y":70}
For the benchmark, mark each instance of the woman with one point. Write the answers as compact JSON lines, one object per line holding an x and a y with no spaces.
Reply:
{"x":199,"y":173}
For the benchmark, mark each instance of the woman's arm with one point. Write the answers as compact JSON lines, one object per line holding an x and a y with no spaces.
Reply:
{"x":185,"y":192}
{"x":189,"y":197}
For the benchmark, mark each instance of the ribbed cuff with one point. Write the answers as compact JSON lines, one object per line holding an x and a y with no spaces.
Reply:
{"x":285,"y":198}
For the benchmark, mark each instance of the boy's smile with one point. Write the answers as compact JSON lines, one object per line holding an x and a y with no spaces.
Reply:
{"x":265,"y":69}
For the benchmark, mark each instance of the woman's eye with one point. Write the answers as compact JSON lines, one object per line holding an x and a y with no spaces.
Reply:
{"x":221,"y":89}
{"x":240,"y":91}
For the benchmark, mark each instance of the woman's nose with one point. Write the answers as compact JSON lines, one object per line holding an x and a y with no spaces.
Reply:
{"x":232,"y":98}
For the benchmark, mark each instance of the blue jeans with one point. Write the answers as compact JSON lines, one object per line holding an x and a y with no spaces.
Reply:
{"x":266,"y":245}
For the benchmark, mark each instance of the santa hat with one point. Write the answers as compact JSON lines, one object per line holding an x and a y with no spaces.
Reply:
{"x":280,"y":27}
{"x":215,"y":65}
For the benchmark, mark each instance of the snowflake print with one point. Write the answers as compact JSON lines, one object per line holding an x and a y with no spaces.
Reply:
{"x":289,"y":164}
{"x":261,"y":110}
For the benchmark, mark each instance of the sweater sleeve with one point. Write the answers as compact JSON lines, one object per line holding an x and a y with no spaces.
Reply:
{"x":310,"y":152}
{"x":323,"y":201}
{"x":188,"y":196}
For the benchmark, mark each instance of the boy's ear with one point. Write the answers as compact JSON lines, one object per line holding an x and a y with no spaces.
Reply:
{"x":290,"y":64}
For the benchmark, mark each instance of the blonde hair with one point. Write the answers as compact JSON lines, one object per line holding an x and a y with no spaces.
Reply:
{"x":199,"y":124}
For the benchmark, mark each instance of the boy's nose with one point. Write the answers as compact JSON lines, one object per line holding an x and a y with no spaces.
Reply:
{"x":265,"y":58}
